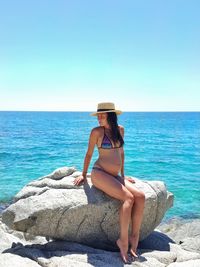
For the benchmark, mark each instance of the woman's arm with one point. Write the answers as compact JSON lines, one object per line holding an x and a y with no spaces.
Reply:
{"x":91,"y":144}
{"x":122,"y":151}
{"x":122,"y":157}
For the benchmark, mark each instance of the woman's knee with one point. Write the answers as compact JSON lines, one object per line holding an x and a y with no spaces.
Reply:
{"x":140,"y":197}
{"x":129,"y":198}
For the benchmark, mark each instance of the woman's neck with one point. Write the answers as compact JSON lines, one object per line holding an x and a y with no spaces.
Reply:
{"x":107,"y":127}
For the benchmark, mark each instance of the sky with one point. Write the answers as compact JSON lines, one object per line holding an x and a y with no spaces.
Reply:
{"x":70,"y":55}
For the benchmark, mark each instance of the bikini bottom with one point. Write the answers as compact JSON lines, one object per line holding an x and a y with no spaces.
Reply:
{"x":102,"y":170}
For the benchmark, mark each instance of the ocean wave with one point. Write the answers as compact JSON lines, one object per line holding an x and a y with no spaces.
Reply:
{"x":8,"y":154}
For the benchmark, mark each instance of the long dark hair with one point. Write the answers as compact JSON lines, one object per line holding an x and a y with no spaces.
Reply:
{"x":115,"y":133}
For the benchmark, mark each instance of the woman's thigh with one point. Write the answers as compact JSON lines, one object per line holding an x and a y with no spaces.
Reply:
{"x":135,"y":191}
{"x":130,"y":187}
{"x":110,"y":185}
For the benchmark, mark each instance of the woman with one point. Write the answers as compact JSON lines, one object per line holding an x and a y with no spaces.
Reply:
{"x":105,"y":175}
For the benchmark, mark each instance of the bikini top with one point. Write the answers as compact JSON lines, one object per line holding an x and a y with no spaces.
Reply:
{"x":106,"y":142}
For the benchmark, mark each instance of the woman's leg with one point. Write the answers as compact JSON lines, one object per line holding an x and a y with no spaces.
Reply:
{"x":111,"y":186}
{"x":136,"y":215}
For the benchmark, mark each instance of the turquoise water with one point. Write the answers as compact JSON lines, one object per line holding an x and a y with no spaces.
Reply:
{"x":158,"y":146}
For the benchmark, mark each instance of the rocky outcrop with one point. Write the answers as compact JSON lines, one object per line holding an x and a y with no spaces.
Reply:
{"x":54,"y":207}
{"x":187,"y":234}
{"x":21,"y":250}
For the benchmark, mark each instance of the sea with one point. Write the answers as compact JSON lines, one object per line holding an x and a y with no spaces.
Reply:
{"x":161,"y":146}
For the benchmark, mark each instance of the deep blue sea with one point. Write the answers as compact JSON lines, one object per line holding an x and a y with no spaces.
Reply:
{"x":158,"y":146}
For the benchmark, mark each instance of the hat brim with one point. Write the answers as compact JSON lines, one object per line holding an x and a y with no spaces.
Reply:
{"x":118,"y":112}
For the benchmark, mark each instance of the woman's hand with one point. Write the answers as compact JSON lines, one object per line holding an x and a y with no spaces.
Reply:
{"x":129,"y":179}
{"x":79,"y":180}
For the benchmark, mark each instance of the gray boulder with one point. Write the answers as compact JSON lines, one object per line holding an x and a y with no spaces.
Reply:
{"x":185,"y":233}
{"x":53,"y":206}
{"x":10,"y":260}
{"x":21,"y":249}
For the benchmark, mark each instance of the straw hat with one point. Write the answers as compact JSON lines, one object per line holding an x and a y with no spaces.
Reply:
{"x":106,"y":107}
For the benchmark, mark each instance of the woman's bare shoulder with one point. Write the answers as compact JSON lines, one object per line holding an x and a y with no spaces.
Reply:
{"x":121,"y":127}
{"x":96,"y":130}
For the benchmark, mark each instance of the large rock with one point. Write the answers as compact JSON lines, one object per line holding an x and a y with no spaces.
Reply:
{"x":53,"y":206}
{"x":21,"y":253}
{"x":10,"y":260}
{"x":10,"y":237}
{"x":185,"y":233}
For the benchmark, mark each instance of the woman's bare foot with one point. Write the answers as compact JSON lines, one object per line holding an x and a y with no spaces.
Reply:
{"x":133,"y":240}
{"x":123,"y":250}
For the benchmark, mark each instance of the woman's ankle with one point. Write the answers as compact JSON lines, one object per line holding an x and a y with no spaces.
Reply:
{"x":123,"y":240}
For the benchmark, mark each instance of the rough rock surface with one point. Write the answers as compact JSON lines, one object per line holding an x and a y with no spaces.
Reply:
{"x":53,"y":206}
{"x":180,"y":247}
{"x":20,"y":250}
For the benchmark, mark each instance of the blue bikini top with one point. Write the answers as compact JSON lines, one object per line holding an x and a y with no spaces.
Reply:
{"x":106,"y":142}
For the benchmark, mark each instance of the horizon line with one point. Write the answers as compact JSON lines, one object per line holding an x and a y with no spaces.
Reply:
{"x":94,"y":111}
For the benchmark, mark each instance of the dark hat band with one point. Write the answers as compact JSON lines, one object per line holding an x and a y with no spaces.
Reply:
{"x":106,"y":109}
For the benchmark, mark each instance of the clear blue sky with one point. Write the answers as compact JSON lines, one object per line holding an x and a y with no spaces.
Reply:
{"x":70,"y":55}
